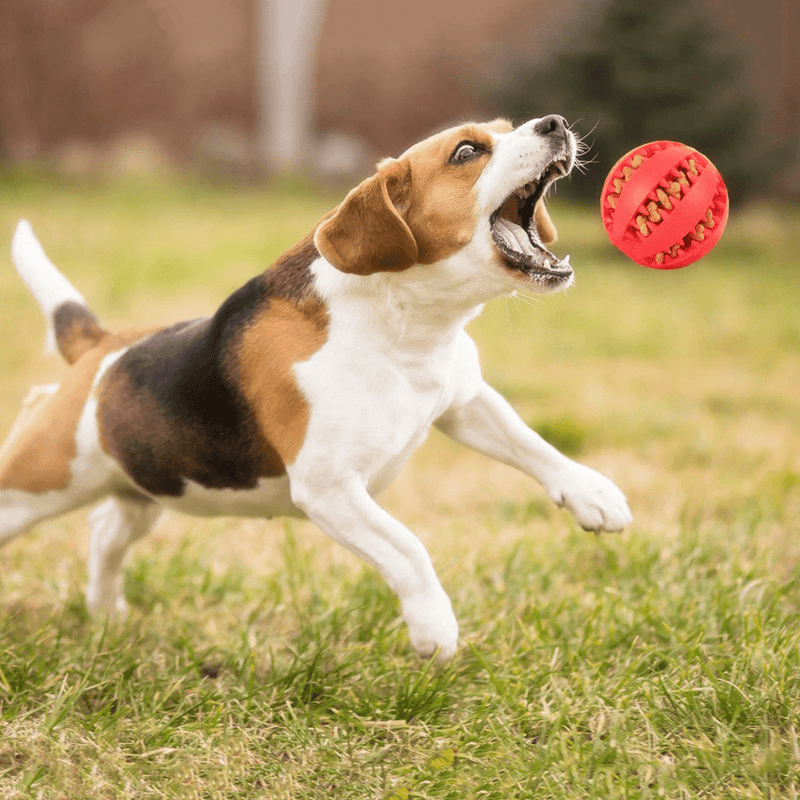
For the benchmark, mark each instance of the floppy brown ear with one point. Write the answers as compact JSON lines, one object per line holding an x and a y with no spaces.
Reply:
{"x":367,"y":233}
{"x":544,"y":225}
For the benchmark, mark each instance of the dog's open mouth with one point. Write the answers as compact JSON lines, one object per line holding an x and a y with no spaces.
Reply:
{"x":515,"y":233}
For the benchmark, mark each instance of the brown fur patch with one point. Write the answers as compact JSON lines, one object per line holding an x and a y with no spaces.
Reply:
{"x":367,"y":233}
{"x":214,"y":401}
{"x":417,"y":209}
{"x":440,"y":204}
{"x":77,"y":330}
{"x":271,"y":345}
{"x":38,"y":458}
{"x":160,"y":451}
{"x":289,"y":278}
{"x":291,"y":329}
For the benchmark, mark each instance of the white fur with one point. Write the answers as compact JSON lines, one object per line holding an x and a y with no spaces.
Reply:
{"x":40,"y":275}
{"x":114,"y":525}
{"x":396,"y":361}
{"x":517,"y":159}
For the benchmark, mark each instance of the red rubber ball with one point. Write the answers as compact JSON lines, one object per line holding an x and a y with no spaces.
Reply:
{"x":664,"y":205}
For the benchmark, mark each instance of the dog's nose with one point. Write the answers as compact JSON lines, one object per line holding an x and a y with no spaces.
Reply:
{"x":553,"y":124}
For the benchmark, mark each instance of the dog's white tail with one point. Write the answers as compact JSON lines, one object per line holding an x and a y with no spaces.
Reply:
{"x":71,"y":327}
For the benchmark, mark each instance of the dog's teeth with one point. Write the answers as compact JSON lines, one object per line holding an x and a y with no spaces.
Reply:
{"x":527,"y":190}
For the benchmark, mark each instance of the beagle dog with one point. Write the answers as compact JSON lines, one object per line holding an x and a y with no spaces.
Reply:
{"x":309,"y":388}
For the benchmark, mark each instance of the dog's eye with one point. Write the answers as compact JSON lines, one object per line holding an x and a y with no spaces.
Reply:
{"x":465,"y":151}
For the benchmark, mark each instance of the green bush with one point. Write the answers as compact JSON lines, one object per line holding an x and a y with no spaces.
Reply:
{"x":646,"y":72}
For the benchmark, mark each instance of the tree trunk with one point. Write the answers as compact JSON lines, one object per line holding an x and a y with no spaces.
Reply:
{"x":287,"y":32}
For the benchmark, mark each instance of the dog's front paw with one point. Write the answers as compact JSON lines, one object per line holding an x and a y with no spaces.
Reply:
{"x":594,"y":500}
{"x":432,"y":626}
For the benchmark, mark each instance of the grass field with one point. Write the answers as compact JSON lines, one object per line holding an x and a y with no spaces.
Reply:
{"x":262,"y":661}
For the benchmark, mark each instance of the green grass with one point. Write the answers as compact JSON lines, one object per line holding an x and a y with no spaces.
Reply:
{"x":260,"y":660}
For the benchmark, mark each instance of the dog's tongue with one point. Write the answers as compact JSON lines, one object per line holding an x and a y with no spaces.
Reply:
{"x":517,"y":239}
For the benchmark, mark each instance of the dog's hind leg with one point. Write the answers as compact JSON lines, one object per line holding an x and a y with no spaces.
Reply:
{"x":114,"y":525}
{"x":20,"y":510}
{"x":17,"y":515}
{"x":51,"y":462}
{"x":37,"y":482}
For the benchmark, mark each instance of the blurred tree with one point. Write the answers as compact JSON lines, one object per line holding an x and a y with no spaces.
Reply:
{"x":287,"y":32}
{"x":650,"y":71}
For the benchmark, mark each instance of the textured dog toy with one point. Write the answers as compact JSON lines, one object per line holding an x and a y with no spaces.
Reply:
{"x":664,"y":204}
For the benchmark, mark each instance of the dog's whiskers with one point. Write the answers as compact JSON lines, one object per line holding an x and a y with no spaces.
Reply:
{"x":527,"y":299}
{"x":582,"y":147}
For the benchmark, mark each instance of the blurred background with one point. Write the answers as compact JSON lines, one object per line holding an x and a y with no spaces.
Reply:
{"x":325,"y":87}
{"x":144,"y":140}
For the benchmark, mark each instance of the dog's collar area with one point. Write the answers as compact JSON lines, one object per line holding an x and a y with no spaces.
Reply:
{"x":514,"y":229}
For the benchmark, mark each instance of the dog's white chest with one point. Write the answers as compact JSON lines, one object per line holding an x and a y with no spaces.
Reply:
{"x":371,"y":408}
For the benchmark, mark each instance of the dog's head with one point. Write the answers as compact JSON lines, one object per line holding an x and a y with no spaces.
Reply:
{"x":476,"y":190}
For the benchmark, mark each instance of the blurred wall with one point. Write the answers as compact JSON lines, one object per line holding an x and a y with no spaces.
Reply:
{"x":391,"y":71}
{"x":93,"y":72}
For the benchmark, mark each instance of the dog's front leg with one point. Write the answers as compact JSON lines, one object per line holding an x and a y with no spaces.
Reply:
{"x":488,"y":424}
{"x":348,"y":514}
